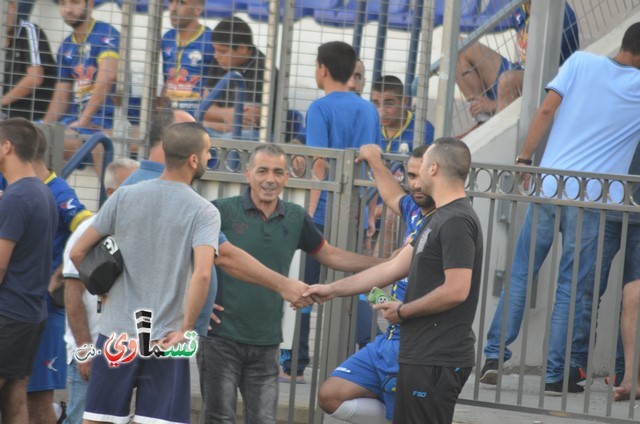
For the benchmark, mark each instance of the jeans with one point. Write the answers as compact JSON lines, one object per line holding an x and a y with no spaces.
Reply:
{"x":226,"y":366}
{"x":77,"y":387}
{"x":519,"y":273}
{"x":611,"y":246}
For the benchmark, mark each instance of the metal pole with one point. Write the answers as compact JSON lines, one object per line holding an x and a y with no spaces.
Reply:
{"x":282,"y":89}
{"x":414,"y":41}
{"x":543,"y":50}
{"x":123,"y":83}
{"x":446,"y":78}
{"x":3,"y":33}
{"x":358,"y":28}
{"x":383,"y":22}
{"x":266,"y":123}
{"x":424,"y":60}
{"x":151,"y":64}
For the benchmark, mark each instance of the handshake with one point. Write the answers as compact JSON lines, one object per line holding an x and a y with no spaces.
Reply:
{"x":299,"y":295}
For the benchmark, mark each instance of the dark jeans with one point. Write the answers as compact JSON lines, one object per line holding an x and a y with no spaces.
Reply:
{"x":226,"y":366}
{"x":631,"y":271}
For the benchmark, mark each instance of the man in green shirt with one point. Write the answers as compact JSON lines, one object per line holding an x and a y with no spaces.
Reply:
{"x":241,"y":351}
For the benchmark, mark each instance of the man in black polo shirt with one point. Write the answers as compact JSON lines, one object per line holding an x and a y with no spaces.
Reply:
{"x":235,"y":51}
{"x":29,"y":69}
{"x":444,"y":264}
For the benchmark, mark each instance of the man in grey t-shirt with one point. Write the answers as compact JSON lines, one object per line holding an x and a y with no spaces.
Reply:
{"x":168,"y":236}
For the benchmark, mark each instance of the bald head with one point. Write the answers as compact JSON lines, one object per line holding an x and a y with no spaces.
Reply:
{"x":162,"y":120}
{"x":180,"y":116}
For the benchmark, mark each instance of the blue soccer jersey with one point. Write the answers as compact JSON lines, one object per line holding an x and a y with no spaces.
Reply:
{"x":414,"y":219}
{"x":405,"y":136}
{"x":78,"y":62}
{"x":70,"y":213}
{"x":185,"y":67}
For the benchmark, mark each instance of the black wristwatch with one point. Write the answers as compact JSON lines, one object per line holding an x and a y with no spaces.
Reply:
{"x":523,"y":160}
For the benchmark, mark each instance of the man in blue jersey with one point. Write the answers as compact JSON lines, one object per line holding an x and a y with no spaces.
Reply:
{"x":396,"y":117}
{"x":28,"y":219}
{"x":339,"y":120}
{"x":491,"y":82}
{"x":583,"y":138}
{"x":88,"y":66}
{"x":363,"y":387}
{"x":187,"y":55}
{"x":49,"y":367}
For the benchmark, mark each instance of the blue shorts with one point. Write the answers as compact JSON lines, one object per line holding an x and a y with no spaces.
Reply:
{"x":375,"y":368}
{"x":50,"y":365}
{"x":164,"y":389}
{"x":505,"y":65}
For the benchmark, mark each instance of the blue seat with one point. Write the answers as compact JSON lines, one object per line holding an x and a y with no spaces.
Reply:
{"x":493,"y":7}
{"x":259,"y":10}
{"x":225,"y":8}
{"x":337,"y":14}
{"x":140,"y":6}
{"x":468,"y":13}
{"x":403,"y":19}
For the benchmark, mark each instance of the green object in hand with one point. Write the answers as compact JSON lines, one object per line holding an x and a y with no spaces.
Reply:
{"x":377,"y":296}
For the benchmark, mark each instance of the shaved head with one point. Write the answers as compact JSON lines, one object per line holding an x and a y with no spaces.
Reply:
{"x":180,"y":116}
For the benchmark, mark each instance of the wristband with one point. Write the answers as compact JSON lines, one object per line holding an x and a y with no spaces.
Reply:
{"x":398,"y":312}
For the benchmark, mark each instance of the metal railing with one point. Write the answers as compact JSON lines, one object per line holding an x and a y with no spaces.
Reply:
{"x":487,"y":185}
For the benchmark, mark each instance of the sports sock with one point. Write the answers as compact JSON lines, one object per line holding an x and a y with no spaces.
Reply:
{"x":361,"y":411}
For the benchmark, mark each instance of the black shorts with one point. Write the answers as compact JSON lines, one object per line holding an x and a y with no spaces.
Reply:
{"x":18,"y":345}
{"x":428,"y":394}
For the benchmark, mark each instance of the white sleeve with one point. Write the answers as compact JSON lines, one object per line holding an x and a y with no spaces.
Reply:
{"x":68,"y":268}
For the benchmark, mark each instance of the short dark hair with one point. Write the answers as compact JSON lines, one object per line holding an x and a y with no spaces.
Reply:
{"x":388,"y":83}
{"x":339,"y":58}
{"x":22,"y":135}
{"x":418,"y":152}
{"x":271,"y":149}
{"x":42,"y":145}
{"x":631,"y":39}
{"x":181,"y":141}
{"x":162,"y":120}
{"x":233,"y":32}
{"x":453,"y":156}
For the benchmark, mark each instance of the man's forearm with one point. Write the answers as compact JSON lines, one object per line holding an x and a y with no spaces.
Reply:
{"x":23,"y":88}
{"x":242,"y":266}
{"x":389,"y":188}
{"x":196,"y":297}
{"x":76,"y":311}
{"x":343,"y":260}
{"x":540,"y":124}
{"x":218,"y":114}
{"x":380,"y":275}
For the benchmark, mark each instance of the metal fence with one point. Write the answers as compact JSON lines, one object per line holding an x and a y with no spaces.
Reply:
{"x":498,"y":196}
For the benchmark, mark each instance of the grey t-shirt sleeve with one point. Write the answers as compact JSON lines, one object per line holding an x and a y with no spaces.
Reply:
{"x":207,"y":227}
{"x":105,"y":222}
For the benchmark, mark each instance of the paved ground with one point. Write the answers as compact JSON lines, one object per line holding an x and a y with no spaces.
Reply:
{"x":467,"y":414}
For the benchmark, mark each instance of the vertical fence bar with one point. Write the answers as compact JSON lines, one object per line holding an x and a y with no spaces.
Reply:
{"x":424,"y":60}
{"x":543,"y":49}
{"x":446,"y":77}
{"x":266,"y":122}
{"x":151,"y":64}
